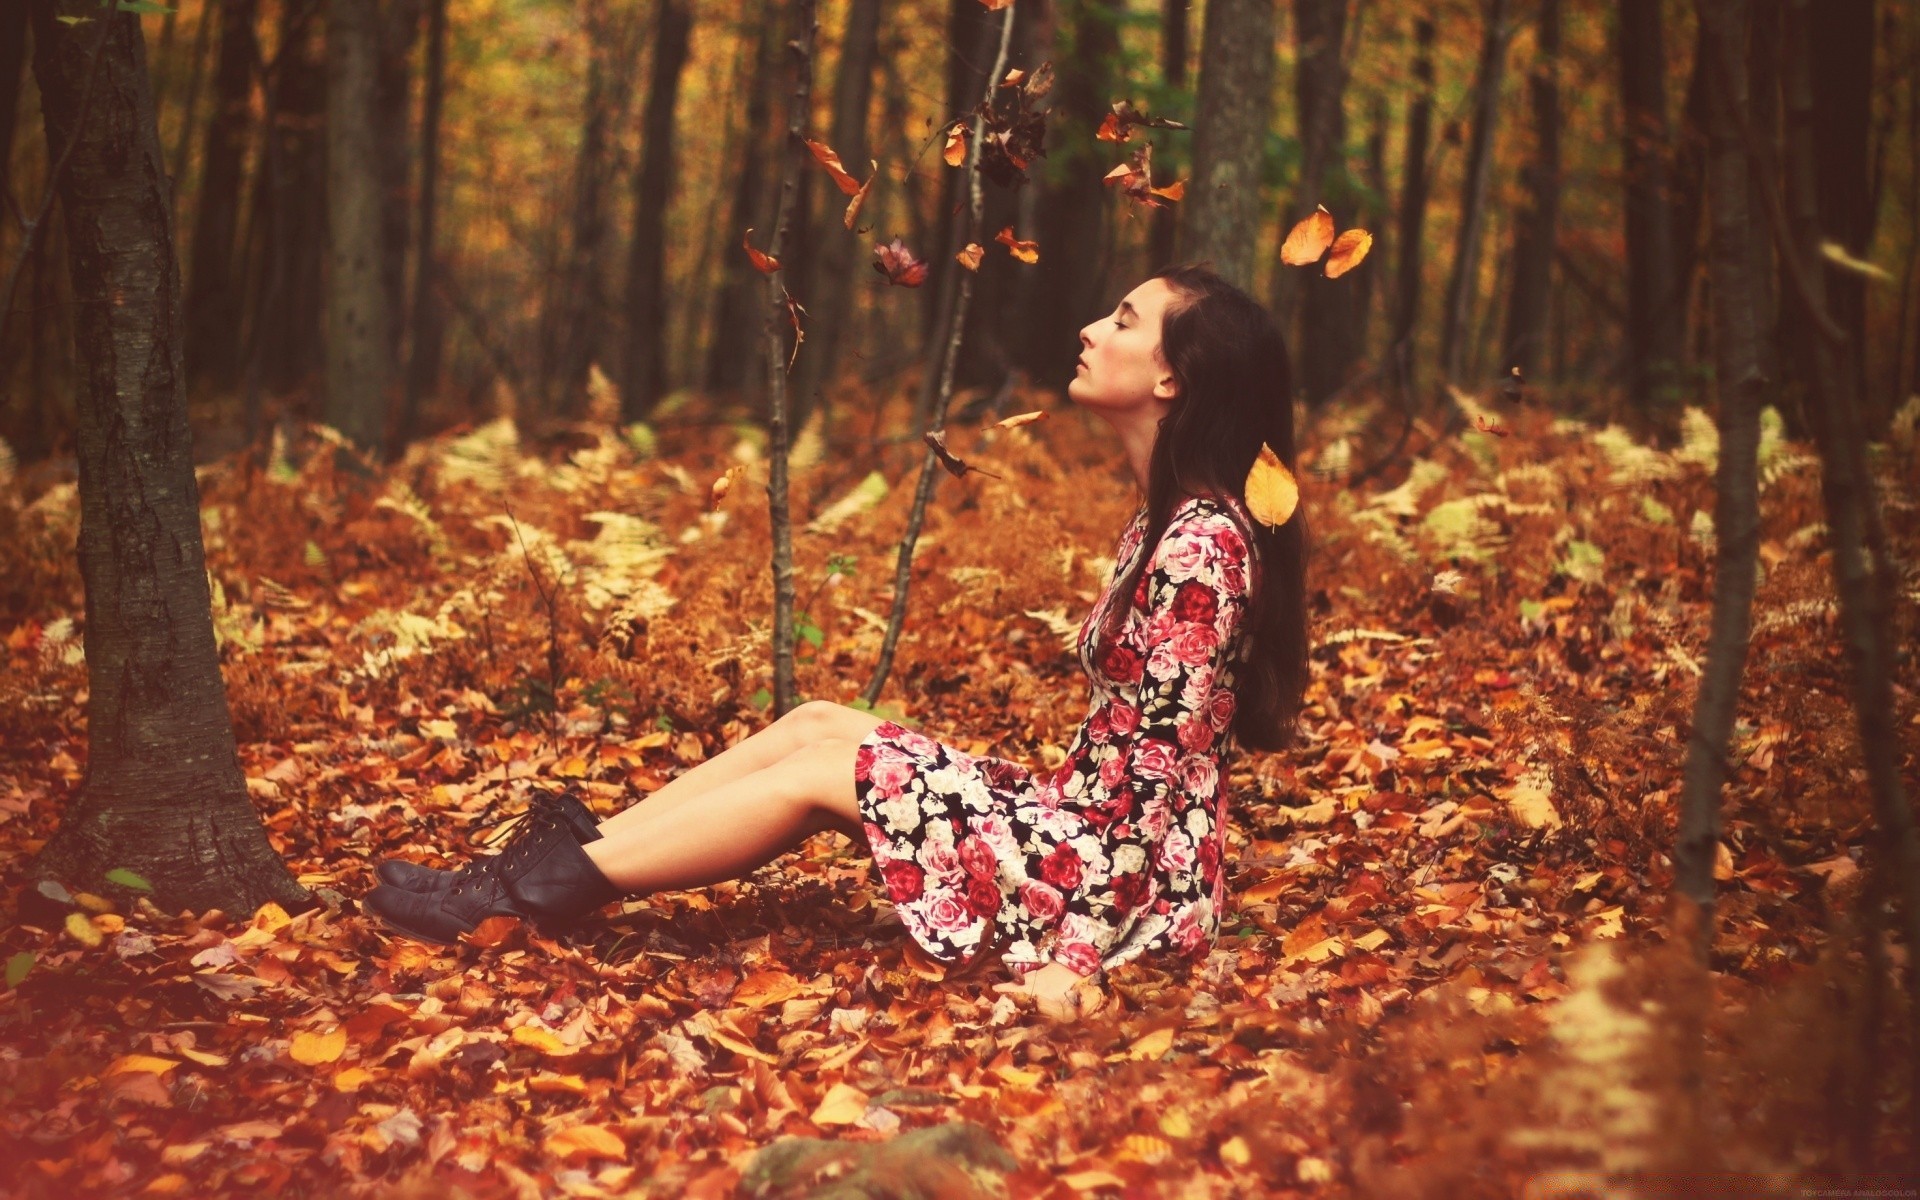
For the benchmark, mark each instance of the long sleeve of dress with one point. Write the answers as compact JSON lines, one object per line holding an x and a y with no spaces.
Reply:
{"x":1171,"y":667}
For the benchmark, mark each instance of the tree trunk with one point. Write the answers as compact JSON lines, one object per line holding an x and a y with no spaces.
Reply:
{"x":971,"y":36}
{"x":1376,"y":215}
{"x":1465,"y":279}
{"x":213,"y":294}
{"x":1736,"y":505}
{"x":1329,"y":343}
{"x":1842,"y":53}
{"x":196,"y":64}
{"x":399,"y":29}
{"x":732,"y":350}
{"x":427,"y":323}
{"x":1655,"y":332}
{"x":1862,"y":567}
{"x":573,"y":322}
{"x":1410,"y":230}
{"x":1763,"y":105}
{"x":1231,"y":115}
{"x":644,"y":377}
{"x":836,"y":251}
{"x":13,"y":62}
{"x":163,"y":795}
{"x":294,"y":221}
{"x":1174,"y":25}
{"x":1070,"y":280}
{"x":1529,"y":301}
{"x":357,"y":346}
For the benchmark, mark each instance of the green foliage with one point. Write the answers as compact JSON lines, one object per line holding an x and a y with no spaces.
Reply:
{"x":1584,"y":562}
{"x":127,"y":879}
{"x":1655,"y":511}
{"x":18,"y":966}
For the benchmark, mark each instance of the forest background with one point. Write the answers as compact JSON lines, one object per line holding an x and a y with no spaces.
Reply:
{"x":476,"y":364}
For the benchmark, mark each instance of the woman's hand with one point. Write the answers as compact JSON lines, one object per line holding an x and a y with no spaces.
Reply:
{"x":1058,"y":992}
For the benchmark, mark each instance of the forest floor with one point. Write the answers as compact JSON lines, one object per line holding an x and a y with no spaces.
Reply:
{"x":1444,"y":972}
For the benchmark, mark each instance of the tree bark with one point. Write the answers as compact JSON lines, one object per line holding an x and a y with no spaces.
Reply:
{"x":1464,"y":281}
{"x":1329,"y":344}
{"x":290,"y":211}
{"x":213,"y":294}
{"x":163,"y":795}
{"x":1410,"y":229}
{"x":1736,"y":505}
{"x":1530,"y":299}
{"x":1763,"y":111}
{"x":399,"y":30}
{"x":1377,"y":213}
{"x":644,"y":378}
{"x":357,"y":346}
{"x":1842,"y":53}
{"x":1231,"y":115}
{"x":1655,"y":333}
{"x":837,"y":251}
{"x":1174,"y":25}
{"x":738,"y":308}
{"x":427,"y":322}
{"x":13,"y":62}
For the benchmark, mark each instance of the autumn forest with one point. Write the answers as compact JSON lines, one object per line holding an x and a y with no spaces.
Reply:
{"x":412,"y":410}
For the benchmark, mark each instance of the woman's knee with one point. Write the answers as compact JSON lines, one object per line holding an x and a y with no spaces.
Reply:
{"x":818,"y":720}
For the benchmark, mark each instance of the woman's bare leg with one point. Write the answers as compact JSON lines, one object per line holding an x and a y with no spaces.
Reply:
{"x":738,"y":825}
{"x":806,"y":725}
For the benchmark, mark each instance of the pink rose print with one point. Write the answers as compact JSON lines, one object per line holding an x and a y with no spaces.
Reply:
{"x":1125,"y":718}
{"x":1182,"y":560}
{"x":941,"y":860}
{"x":903,"y":880}
{"x":1113,"y":770}
{"x":1099,"y":727}
{"x":1062,"y":868}
{"x":1042,"y":901}
{"x":1209,"y":857}
{"x":1196,"y":737}
{"x":1158,"y":628}
{"x":1175,"y":853}
{"x":1199,"y":775}
{"x":1195,"y":644}
{"x":1121,"y":663}
{"x":1130,"y":890}
{"x":948,"y":912}
{"x":1154,"y":759}
{"x":890,"y":772}
{"x":1081,"y":957}
{"x":977,"y":857}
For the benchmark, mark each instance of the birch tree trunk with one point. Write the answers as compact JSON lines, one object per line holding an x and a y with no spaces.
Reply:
{"x":357,"y":351}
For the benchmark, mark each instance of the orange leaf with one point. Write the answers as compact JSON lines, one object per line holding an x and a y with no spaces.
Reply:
{"x":1348,"y":251}
{"x":1019,"y":419}
{"x":1308,"y":240}
{"x":1111,"y":130}
{"x":860,"y":197}
{"x":996,"y":5}
{"x":1026,"y":252}
{"x":585,"y":1141}
{"x":312,"y":1049}
{"x":955,"y":151}
{"x":971,"y":256}
{"x":1177,"y":190}
{"x":1272,"y":493}
{"x":723,"y":484}
{"x":825,"y":156}
{"x":766,"y":264}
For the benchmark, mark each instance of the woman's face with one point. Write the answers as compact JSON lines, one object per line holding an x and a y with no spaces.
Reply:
{"x":1120,"y":366}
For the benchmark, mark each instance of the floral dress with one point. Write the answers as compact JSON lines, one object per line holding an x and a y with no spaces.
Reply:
{"x":1118,"y":850}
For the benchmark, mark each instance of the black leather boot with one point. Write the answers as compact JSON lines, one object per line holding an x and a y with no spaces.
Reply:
{"x":543,"y":875}
{"x":544,"y":806}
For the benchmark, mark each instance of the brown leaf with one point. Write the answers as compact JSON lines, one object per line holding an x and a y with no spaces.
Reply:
{"x":860,"y":197}
{"x":955,"y":151}
{"x":1348,"y":250}
{"x":825,"y":156}
{"x":766,"y":264}
{"x":899,"y":265}
{"x":1308,"y":240}
{"x":1019,"y":419}
{"x":1026,"y":252}
{"x":937,"y":438}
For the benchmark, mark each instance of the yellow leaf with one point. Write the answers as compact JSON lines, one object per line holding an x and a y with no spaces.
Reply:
{"x":109,"y":922}
{"x":1235,"y":1152}
{"x":543,"y":1040}
{"x":843,"y":1105}
{"x":1094,"y":1180}
{"x":1146,"y":1148}
{"x":203,"y":1058}
{"x":1272,"y":492}
{"x":1722,"y":862}
{"x":1176,"y":1124}
{"x":1153,"y":1045}
{"x":271,"y":918}
{"x":971,"y":256}
{"x":140,"y":1063}
{"x":312,"y":1049}
{"x":585,"y":1141}
{"x":547,"y":1081}
{"x":1018,"y":1077}
{"x":352,"y":1079}
{"x":1308,"y":240}
{"x":1026,"y":252}
{"x":82,"y":930}
{"x":1017,"y":420}
{"x":1348,"y":249}
{"x":766,"y":988}
{"x":574,"y":766}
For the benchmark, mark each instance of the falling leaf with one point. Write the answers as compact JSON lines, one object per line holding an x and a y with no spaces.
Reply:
{"x":1026,"y":252}
{"x":766,"y":264}
{"x":1119,"y":122}
{"x":955,"y":151}
{"x":860,"y":197}
{"x":723,"y":485}
{"x":585,"y":1141}
{"x":971,"y":256}
{"x":937,"y":439}
{"x":899,"y":265}
{"x":1837,"y":254}
{"x":1112,"y":129}
{"x":1348,"y":251}
{"x":1019,"y":419}
{"x":1271,"y":491}
{"x":1484,"y":425}
{"x":1177,"y":190}
{"x":1308,"y":240}
{"x":1013,"y":77}
{"x":825,"y":156}
{"x":311,"y":1049}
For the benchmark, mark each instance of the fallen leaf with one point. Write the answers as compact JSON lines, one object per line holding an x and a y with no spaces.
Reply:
{"x":541,"y":1039}
{"x":140,"y":1063}
{"x":313,"y":1049}
{"x":585,"y":1141}
{"x":842,"y":1105}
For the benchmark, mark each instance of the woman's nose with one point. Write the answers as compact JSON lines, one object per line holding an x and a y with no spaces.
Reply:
{"x":1085,"y":340}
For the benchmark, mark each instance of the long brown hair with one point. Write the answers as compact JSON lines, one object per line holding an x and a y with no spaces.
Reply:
{"x":1235,"y":392}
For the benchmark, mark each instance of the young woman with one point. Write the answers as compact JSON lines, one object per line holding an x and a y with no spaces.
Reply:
{"x":1197,"y":645}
